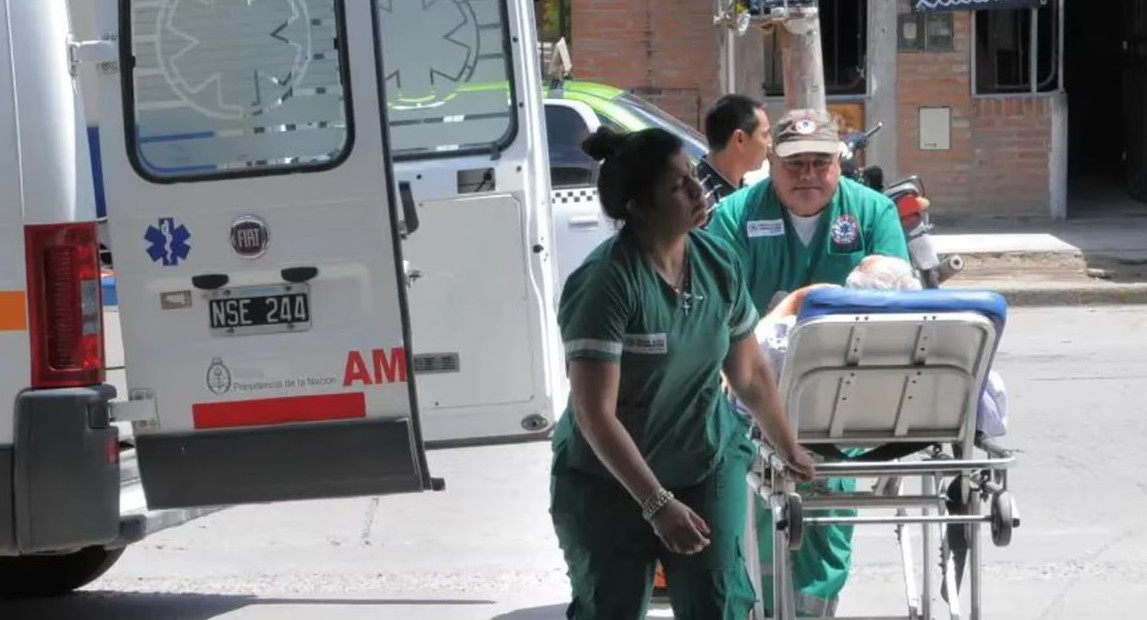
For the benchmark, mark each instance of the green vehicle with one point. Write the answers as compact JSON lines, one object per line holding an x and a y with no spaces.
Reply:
{"x":574,"y":110}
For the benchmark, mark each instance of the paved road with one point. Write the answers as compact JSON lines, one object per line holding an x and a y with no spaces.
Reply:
{"x":484,"y":548}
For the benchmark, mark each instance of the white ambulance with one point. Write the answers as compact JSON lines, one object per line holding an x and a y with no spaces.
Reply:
{"x":275,"y":249}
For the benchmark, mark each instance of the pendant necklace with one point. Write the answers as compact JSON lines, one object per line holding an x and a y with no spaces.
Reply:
{"x":683,"y":294}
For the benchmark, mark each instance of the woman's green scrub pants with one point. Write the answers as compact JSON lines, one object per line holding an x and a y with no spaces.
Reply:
{"x":612,"y":552}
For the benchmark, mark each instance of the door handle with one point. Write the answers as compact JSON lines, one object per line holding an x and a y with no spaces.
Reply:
{"x":586,"y":222}
{"x":409,"y":212}
{"x":210,"y":281}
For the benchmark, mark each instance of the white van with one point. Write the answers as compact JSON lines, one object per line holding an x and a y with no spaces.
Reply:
{"x":277,"y":251}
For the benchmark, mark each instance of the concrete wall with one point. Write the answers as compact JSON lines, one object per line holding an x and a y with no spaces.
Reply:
{"x":883,"y":78}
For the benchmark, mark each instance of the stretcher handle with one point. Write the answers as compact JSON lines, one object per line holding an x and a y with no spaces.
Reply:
{"x":882,"y":453}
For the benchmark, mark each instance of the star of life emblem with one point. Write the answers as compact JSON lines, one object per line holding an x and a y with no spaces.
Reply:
{"x":188,"y":41}
{"x":845,"y":230}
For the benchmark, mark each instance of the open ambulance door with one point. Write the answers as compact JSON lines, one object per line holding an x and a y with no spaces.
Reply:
{"x":259,"y":267}
{"x":464,"y":104}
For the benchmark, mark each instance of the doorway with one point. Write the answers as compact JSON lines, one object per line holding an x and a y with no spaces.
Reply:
{"x":1107,"y":107}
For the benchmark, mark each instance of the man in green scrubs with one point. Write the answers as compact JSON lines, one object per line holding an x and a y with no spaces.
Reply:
{"x":805,"y":225}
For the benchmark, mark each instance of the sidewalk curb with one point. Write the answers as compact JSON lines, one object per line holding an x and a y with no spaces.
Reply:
{"x":1120,"y":256}
{"x":1077,"y":295}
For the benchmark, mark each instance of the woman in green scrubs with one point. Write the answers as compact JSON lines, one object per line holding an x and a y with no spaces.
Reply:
{"x":649,"y":459}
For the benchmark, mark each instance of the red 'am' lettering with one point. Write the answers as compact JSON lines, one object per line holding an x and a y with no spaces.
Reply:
{"x":355,"y":370}
{"x":392,"y":369}
{"x":389,"y":367}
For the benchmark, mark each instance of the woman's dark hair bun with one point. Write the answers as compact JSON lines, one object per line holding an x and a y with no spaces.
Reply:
{"x":603,"y":143}
{"x":631,"y":165}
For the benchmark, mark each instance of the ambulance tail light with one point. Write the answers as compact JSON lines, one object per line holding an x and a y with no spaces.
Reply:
{"x":64,"y":307}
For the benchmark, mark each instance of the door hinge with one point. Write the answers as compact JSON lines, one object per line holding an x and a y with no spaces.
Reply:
{"x":139,"y":409}
{"x":105,"y":53}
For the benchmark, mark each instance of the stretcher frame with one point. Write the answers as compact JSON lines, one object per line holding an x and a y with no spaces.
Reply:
{"x":825,"y":363}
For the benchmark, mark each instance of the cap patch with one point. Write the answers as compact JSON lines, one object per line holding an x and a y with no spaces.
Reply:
{"x":805,"y":126}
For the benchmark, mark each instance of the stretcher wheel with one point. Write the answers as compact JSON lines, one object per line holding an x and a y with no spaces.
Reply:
{"x":1002,"y":519}
{"x":794,"y":513}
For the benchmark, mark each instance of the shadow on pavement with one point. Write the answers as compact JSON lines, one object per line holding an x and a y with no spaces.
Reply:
{"x":145,"y":606}
{"x":558,"y":612}
{"x":549,"y":612}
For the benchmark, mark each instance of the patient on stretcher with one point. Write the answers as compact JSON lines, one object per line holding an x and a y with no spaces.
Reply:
{"x":875,"y":273}
{"x":821,"y":567}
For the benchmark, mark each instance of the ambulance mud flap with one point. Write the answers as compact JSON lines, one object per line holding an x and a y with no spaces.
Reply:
{"x":239,"y":466}
{"x":64,"y":470}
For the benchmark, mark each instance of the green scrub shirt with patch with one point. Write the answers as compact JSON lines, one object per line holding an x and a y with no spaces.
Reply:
{"x":616,"y":308}
{"x":858,"y":222}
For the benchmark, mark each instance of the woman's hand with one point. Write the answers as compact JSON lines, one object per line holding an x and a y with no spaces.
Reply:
{"x":801,"y":463}
{"x":682,"y":530}
{"x":753,"y":382}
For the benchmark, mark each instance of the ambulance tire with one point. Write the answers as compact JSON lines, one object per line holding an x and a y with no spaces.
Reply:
{"x":45,"y":576}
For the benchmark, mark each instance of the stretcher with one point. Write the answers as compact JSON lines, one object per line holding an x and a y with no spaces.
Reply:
{"x":894,"y":378}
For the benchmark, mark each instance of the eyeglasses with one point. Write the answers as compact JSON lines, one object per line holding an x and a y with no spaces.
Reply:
{"x":797,"y":164}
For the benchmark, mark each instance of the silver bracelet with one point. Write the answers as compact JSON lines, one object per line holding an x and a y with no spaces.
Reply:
{"x":654,"y":503}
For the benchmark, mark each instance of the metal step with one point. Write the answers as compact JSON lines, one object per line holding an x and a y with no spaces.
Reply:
{"x":136,"y":520}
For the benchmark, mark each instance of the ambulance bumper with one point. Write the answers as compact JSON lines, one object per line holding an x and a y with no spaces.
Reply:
{"x":59,"y":482}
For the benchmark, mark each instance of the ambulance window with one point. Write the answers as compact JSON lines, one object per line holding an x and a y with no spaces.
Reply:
{"x":449,"y":76}
{"x":236,"y":88}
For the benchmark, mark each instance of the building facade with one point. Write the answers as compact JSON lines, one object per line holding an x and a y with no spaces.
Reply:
{"x":973,"y":94}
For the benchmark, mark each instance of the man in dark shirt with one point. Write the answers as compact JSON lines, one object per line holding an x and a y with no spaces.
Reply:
{"x":737,"y":129}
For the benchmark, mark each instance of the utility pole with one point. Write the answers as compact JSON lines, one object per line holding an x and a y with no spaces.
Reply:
{"x":797,"y":23}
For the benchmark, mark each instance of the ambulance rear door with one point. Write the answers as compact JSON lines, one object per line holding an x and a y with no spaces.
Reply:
{"x":257,"y":234}
{"x":464,"y":103}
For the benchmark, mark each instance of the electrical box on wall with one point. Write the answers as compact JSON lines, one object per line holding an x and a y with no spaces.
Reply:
{"x":935,"y":128}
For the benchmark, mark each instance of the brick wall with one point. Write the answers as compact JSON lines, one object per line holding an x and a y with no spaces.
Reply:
{"x":612,"y":42}
{"x":998,"y":162}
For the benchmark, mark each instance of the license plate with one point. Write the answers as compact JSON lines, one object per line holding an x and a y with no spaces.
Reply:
{"x":260,"y":310}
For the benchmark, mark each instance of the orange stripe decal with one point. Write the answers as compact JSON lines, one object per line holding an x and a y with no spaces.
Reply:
{"x":285,"y":410}
{"x":13,"y":311}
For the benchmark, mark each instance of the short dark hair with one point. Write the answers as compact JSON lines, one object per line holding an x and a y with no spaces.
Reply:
{"x":728,"y":114}
{"x":631,"y":165}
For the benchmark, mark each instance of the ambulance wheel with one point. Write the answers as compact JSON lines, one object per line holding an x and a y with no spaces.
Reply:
{"x":1002,"y":520}
{"x":43,"y":576}
{"x":794,"y":517}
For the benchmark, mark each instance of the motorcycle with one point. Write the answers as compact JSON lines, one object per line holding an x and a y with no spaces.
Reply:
{"x":911,"y":206}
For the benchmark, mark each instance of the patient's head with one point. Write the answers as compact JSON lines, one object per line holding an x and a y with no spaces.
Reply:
{"x":887,"y":273}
